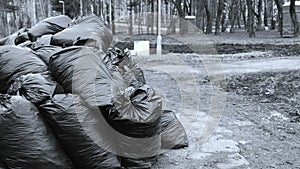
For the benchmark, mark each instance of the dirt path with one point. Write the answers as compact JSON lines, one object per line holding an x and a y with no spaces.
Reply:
{"x":250,"y":134}
{"x":260,"y":65}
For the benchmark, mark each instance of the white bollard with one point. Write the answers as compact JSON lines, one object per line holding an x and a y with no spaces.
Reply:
{"x":142,"y":48}
{"x":266,"y":28}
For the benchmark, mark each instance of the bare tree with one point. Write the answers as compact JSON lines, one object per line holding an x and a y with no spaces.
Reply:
{"x":294,"y":17}
{"x":223,"y":20}
{"x":243,"y":11}
{"x":180,"y":5}
{"x":140,"y":30}
{"x":219,"y":15}
{"x":259,"y":15}
{"x":113,"y":25}
{"x":152,"y":16}
{"x":239,"y":13}
{"x":3,"y":23}
{"x":250,"y":19}
{"x":280,"y":15}
{"x":208,"y":18}
{"x":172,"y":26}
{"x":130,"y":28}
{"x":266,"y":13}
{"x":233,"y":12}
{"x":148,"y":20}
{"x":271,"y":11}
{"x":199,"y":14}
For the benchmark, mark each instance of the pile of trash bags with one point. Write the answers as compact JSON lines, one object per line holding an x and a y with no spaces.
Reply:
{"x":69,"y":100}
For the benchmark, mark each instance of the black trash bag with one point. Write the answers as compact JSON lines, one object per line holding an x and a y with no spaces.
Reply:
{"x":26,"y":142}
{"x":10,"y":40}
{"x":15,"y":62}
{"x":45,"y":52}
{"x":44,"y":40}
{"x":140,"y":163}
{"x":72,"y":121}
{"x":173,"y":135}
{"x":87,"y":31}
{"x":80,"y":70}
{"x":21,"y":38}
{"x":37,"y":88}
{"x":3,"y":41}
{"x":50,"y":25}
{"x":2,"y":166}
{"x":115,"y":59}
{"x":135,"y":113}
{"x":27,"y":44}
{"x":136,"y":117}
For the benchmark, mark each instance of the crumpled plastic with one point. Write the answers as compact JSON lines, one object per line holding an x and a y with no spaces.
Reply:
{"x":173,"y":135}
{"x":49,"y":25}
{"x":16,"y":38}
{"x":45,"y":52}
{"x":37,"y":88}
{"x":26,"y":142}
{"x":80,"y":70}
{"x":15,"y":62}
{"x":85,"y":31}
{"x":75,"y":124}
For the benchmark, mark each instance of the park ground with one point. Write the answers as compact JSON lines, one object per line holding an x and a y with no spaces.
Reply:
{"x":256,"y":80}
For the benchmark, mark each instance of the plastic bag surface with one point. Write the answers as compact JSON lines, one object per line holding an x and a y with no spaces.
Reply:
{"x":88,"y":31}
{"x":15,"y":62}
{"x":37,"y":88}
{"x":67,"y":116}
{"x":173,"y":135}
{"x":49,"y":25}
{"x":26,"y":142}
{"x":45,"y":52}
{"x":80,"y":70}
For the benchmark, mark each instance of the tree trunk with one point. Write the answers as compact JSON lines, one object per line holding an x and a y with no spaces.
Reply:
{"x":3,"y":24}
{"x":243,"y":11}
{"x":294,"y":18}
{"x":214,"y":5}
{"x":148,"y":18}
{"x":266,"y":14}
{"x":102,"y":9}
{"x":49,"y":9}
{"x":239,"y":16}
{"x":199,"y":12}
{"x":280,"y":15}
{"x":223,"y":20}
{"x":182,"y":14}
{"x":208,"y":18}
{"x":273,"y":23}
{"x":33,"y":13}
{"x":113,"y":25}
{"x":250,"y":19}
{"x":130,"y":29}
{"x":180,"y":9}
{"x":152,"y":17}
{"x":172,"y":26}
{"x":157,"y":17}
{"x":194,"y":7}
{"x":140,"y":19}
{"x":181,"y":22}
{"x":233,"y":14}
{"x":259,"y":15}
{"x":219,"y":15}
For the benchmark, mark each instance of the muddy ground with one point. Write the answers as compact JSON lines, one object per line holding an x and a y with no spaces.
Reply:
{"x":260,"y":123}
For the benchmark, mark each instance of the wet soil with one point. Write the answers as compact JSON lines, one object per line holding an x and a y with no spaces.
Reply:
{"x":259,"y":125}
{"x":171,"y":44}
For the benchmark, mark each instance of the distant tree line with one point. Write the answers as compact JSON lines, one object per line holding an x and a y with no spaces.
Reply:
{"x":212,"y":16}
